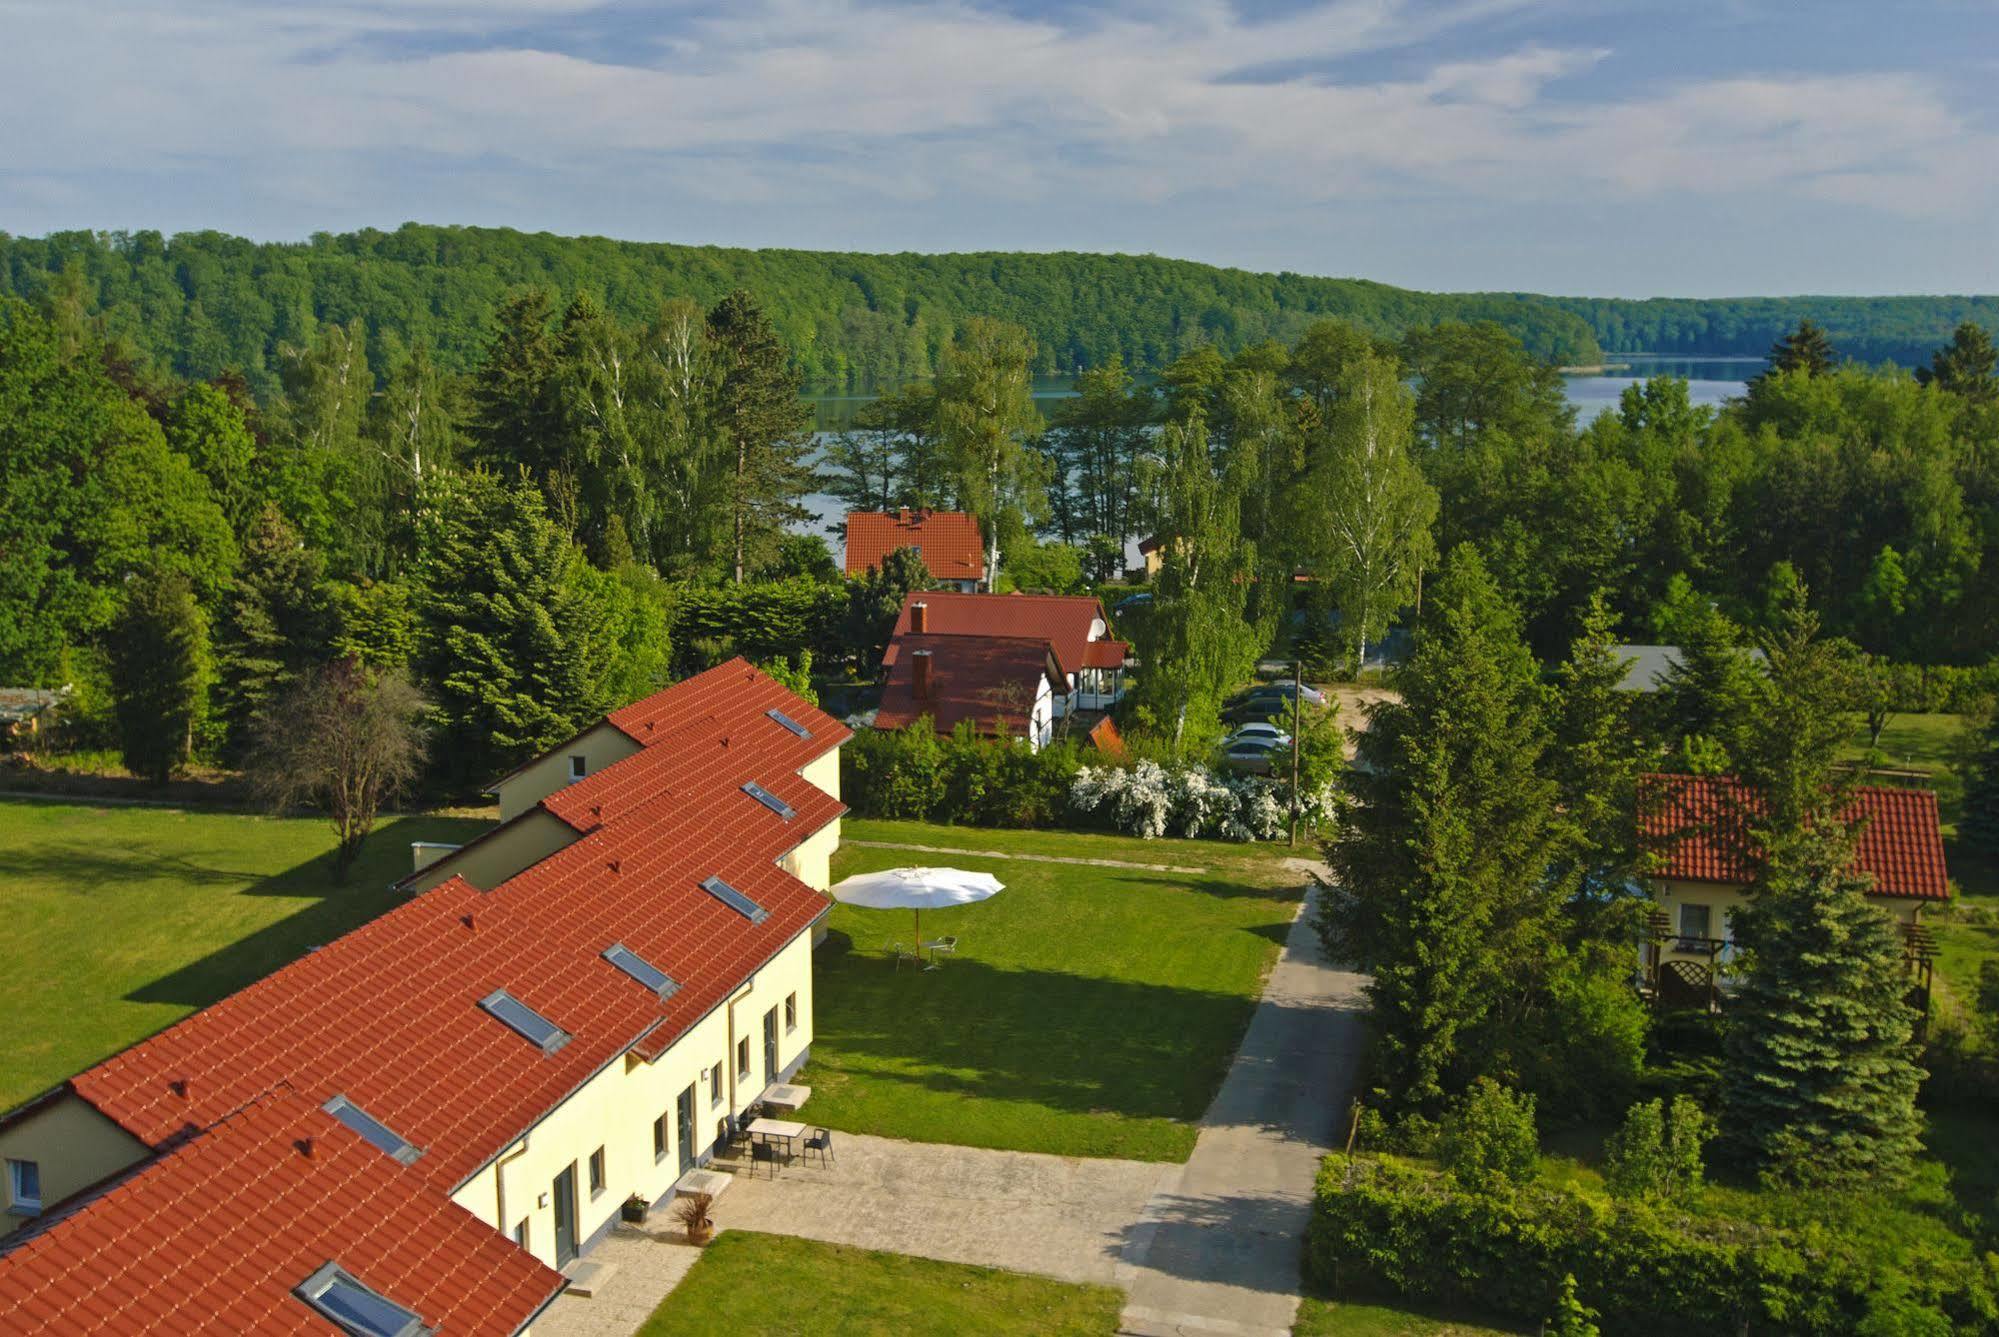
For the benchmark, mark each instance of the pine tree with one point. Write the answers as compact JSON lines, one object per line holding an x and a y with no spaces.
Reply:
{"x":277,"y":621}
{"x":513,"y":646}
{"x":1821,"y":1079}
{"x":160,"y":670}
{"x":767,"y":427}
{"x":1965,"y":365}
{"x":1805,"y":349}
{"x":1441,"y":883}
{"x":1594,"y":756}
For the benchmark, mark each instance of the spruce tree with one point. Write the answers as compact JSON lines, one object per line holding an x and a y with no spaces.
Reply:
{"x":1965,"y":365}
{"x":160,"y":670}
{"x":1441,"y":874}
{"x":277,"y":621}
{"x":1806,"y":349}
{"x":1820,"y":1083}
{"x":512,"y":643}
{"x":516,"y":415}
{"x":767,"y":427}
{"x":1594,"y":756}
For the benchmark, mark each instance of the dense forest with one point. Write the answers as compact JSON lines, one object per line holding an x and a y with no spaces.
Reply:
{"x":204,"y":303}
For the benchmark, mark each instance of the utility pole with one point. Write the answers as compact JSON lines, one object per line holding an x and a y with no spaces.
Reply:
{"x":1297,"y":713}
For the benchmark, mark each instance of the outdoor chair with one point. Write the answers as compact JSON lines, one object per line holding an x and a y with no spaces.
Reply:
{"x":729,"y":1135}
{"x":761,"y":1150}
{"x":902,"y":954}
{"x":821,"y":1141}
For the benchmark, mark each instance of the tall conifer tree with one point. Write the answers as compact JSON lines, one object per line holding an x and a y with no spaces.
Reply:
{"x":767,"y":426}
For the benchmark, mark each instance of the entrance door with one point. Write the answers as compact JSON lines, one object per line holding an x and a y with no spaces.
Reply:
{"x":686,"y":1128}
{"x":770,"y":1046}
{"x":565,"y":1215}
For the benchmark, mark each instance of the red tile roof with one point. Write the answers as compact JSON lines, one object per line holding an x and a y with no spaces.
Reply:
{"x":1684,"y":821}
{"x":1065,"y":621}
{"x":1105,"y":654}
{"x":215,"y":1236}
{"x":948,"y":541}
{"x":990,"y":680}
{"x":388,"y":1015}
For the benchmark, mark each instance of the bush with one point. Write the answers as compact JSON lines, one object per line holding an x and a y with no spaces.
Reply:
{"x":1151,"y":800}
{"x":1655,"y":1155}
{"x":1489,"y":1136}
{"x":1395,"y":1230}
{"x":912,"y":773}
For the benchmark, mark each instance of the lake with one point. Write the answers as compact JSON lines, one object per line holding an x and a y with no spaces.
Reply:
{"x":1709,"y":381}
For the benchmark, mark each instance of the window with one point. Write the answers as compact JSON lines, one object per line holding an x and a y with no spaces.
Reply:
{"x":521,"y":1233}
{"x":715,"y":1085}
{"x":336,"y":1295}
{"x":378,"y":1133}
{"x":789,"y":723}
{"x":743,"y":1059}
{"x":1695,"y":921}
{"x":790,"y":1013}
{"x":596,"y":1172}
{"x":769,"y":800}
{"x":735,"y":900}
{"x":659,"y":1139}
{"x":579,"y":766}
{"x":642,"y":970}
{"x":24,"y":1188}
{"x":525,"y":1021}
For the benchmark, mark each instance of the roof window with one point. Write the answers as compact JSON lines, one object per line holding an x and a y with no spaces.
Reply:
{"x":337,"y":1295}
{"x":769,"y":800}
{"x":788,"y":722}
{"x":642,"y":970}
{"x":530,"y":1024}
{"x":379,"y":1134}
{"x":735,"y":900}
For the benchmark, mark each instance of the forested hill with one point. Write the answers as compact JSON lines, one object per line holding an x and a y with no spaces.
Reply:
{"x":205,"y":302}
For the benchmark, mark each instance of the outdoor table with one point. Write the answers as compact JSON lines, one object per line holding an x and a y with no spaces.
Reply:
{"x":787,"y":1095}
{"x":782,"y":1130}
{"x":939,"y":947}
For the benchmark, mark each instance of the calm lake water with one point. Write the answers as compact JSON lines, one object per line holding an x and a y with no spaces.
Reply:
{"x":1709,"y":381}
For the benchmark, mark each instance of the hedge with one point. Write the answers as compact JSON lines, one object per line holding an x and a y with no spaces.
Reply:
{"x":1391,"y":1230}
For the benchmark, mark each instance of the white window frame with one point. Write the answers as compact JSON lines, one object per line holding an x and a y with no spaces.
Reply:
{"x":579,"y":766}
{"x":19,"y":1202}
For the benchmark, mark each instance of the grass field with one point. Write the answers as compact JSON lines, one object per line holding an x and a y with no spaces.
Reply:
{"x":122,"y":920}
{"x":754,"y":1285}
{"x":1333,"y":1318}
{"x":1915,"y":742}
{"x":1090,"y":1011}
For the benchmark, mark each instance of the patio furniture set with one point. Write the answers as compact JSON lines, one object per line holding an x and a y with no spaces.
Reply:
{"x":773,"y":1140}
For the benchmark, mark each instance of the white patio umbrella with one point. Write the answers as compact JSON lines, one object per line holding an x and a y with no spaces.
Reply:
{"x":917,"y":889}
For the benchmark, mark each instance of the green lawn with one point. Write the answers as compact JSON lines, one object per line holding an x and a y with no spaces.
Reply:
{"x":1332,"y":1318}
{"x":1089,"y":1012}
{"x":1915,"y":742}
{"x":121,"y":920}
{"x":1257,"y":861}
{"x":749,"y":1285}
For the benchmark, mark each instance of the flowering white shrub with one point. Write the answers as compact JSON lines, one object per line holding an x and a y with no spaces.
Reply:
{"x":1148,"y":800}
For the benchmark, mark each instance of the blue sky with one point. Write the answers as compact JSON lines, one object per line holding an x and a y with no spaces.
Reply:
{"x":1627,"y":149}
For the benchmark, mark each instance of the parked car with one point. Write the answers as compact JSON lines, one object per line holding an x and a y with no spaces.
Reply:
{"x":1281,"y":688}
{"x":1143,"y":599}
{"x":1250,"y":756}
{"x":1259,"y":729}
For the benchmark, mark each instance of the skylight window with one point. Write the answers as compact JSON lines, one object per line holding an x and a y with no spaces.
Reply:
{"x":769,"y":800}
{"x":735,"y":900}
{"x":378,"y":1133}
{"x":642,"y":970}
{"x":530,"y":1024}
{"x":335,"y":1293}
{"x":789,"y":722}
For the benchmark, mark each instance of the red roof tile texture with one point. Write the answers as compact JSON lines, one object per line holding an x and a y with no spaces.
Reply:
{"x":1065,"y":621}
{"x":1685,"y":821}
{"x":1105,"y":654}
{"x":989,"y":680}
{"x":948,"y":541}
{"x":216,"y":1235}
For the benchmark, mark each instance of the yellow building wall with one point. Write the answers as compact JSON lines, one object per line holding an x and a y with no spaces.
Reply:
{"x":812,"y":862}
{"x":824,"y":772}
{"x":500,"y":853}
{"x":1723,"y":900}
{"x":73,"y":1145}
{"x":599,"y":747}
{"x":616,"y":1108}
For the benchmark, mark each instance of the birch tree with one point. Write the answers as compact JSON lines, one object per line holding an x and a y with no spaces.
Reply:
{"x":1367,"y":507}
{"x":986,"y":420}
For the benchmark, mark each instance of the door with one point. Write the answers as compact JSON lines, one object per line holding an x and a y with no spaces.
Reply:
{"x":770,"y":1046}
{"x":685,"y":1116}
{"x":565,"y":1215}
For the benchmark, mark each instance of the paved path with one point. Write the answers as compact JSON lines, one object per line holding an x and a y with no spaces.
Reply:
{"x":1033,"y":858}
{"x":1217,"y":1249}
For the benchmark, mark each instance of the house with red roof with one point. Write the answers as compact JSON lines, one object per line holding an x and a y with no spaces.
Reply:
{"x":1011,"y":664}
{"x":1692,"y":832}
{"x":949,"y":543}
{"x":432,"y":1117}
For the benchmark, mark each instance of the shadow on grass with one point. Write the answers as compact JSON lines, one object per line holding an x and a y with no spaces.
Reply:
{"x":1070,"y":1043}
{"x":336,"y":908}
{"x":82,"y":869}
{"x":1249,"y":1240}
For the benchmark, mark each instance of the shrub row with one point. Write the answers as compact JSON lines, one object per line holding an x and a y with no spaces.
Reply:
{"x":913,"y":773}
{"x":1391,"y":1230}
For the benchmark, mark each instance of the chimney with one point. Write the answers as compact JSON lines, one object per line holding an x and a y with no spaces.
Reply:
{"x":919,"y":673}
{"x":919,"y":617}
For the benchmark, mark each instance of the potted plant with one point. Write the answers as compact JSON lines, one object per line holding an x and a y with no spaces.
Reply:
{"x":635,"y":1209}
{"x":692,"y":1212}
